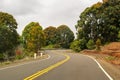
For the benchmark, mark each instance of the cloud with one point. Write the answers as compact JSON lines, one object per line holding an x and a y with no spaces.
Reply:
{"x":46,"y":12}
{"x":19,"y":7}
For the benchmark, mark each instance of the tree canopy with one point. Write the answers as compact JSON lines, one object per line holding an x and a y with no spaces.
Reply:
{"x":50,"y":33}
{"x":64,"y":36}
{"x":33,"y":37}
{"x":99,"y":23}
{"x":102,"y":20}
{"x":9,"y":37}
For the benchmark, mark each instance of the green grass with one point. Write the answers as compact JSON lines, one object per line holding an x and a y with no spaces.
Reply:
{"x":110,"y":58}
{"x":49,"y":47}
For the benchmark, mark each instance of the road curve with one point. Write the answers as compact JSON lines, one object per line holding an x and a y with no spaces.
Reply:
{"x":78,"y":67}
{"x":24,"y":70}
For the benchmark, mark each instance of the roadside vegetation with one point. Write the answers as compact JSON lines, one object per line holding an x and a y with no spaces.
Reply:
{"x":98,"y":25}
{"x":33,"y":39}
{"x":98,"y":31}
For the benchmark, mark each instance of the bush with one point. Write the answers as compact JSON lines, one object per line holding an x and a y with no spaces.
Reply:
{"x":90,"y":44}
{"x":83,"y":43}
{"x":19,"y":53}
{"x":75,"y":46}
{"x":78,"y":45}
{"x":1,"y":57}
{"x":57,"y":46}
{"x":21,"y":56}
{"x":28,"y":53}
{"x":49,"y":46}
{"x":98,"y":43}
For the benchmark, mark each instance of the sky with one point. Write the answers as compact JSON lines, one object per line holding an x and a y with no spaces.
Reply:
{"x":46,"y":12}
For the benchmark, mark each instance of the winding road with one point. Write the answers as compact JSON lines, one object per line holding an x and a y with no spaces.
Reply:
{"x":59,"y":66}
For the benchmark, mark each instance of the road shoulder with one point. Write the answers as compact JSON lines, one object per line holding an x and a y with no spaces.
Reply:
{"x":22,"y":61}
{"x":112,"y":69}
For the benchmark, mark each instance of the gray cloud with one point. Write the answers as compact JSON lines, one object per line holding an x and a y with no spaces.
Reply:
{"x":46,"y":12}
{"x":19,"y":7}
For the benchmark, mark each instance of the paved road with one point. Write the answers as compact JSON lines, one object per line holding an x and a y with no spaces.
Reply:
{"x":78,"y":67}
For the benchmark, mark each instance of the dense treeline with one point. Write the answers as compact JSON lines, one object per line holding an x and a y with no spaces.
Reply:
{"x":59,"y":37}
{"x":99,"y":23}
{"x":9,"y":38}
{"x":14,"y":46}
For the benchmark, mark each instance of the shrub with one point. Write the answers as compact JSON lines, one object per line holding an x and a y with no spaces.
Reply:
{"x":90,"y":44}
{"x":1,"y":57}
{"x":57,"y":46}
{"x":19,"y":54}
{"x":98,"y":43}
{"x":75,"y":46}
{"x":83,"y":43}
{"x":28,"y":53}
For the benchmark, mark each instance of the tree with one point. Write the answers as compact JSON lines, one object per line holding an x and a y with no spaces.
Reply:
{"x":110,"y":16}
{"x":87,"y":25}
{"x":100,"y":21}
{"x":50,"y":33}
{"x":64,"y":36}
{"x":9,"y":37}
{"x":33,"y":37}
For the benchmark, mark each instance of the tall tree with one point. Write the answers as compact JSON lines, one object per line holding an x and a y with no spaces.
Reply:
{"x":9,"y":37}
{"x":33,"y":37}
{"x":65,"y":36}
{"x":87,"y":26}
{"x":50,"y":33}
{"x":100,"y":21}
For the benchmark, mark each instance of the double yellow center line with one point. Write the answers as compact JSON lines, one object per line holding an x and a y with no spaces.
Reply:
{"x":39,"y":73}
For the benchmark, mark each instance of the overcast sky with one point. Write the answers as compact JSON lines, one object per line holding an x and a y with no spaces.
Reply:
{"x":46,"y":12}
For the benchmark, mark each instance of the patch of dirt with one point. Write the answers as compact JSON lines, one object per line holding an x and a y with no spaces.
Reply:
{"x":112,"y":49}
{"x":105,"y":60}
{"x":109,"y":57}
{"x":112,"y":69}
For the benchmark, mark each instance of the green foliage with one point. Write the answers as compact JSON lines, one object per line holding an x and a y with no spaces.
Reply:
{"x":50,"y":33}
{"x":78,"y":45}
{"x":33,"y":37}
{"x":64,"y":36}
{"x":19,"y":57}
{"x":9,"y":37}
{"x":83,"y":43}
{"x":57,"y":46}
{"x":98,"y":44}
{"x":75,"y":46}
{"x":100,"y":21}
{"x":90,"y":44}
{"x":110,"y":58}
{"x":52,"y":46}
{"x":19,"y":53}
{"x":28,"y":53}
{"x":119,"y":36}
{"x":8,"y":20}
{"x":1,"y":56}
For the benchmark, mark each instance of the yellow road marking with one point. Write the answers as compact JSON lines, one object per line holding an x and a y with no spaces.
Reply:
{"x":39,"y":73}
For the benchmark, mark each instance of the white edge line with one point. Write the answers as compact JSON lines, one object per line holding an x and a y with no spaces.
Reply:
{"x":26,"y":63}
{"x":100,"y":67}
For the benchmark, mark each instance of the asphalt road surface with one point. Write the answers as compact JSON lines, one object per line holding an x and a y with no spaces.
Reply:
{"x":78,"y":67}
